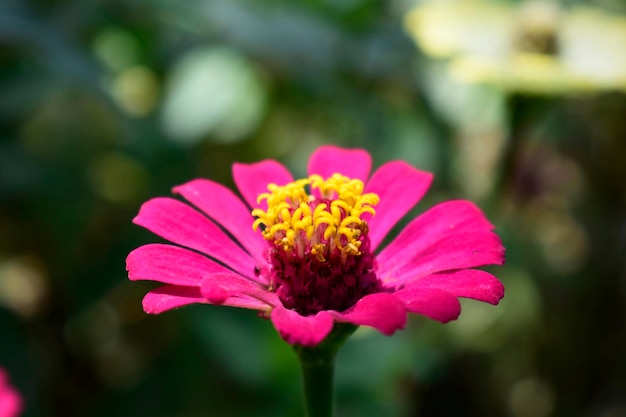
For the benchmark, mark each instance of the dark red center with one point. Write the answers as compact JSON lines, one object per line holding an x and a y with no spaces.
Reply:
{"x":307,"y":285}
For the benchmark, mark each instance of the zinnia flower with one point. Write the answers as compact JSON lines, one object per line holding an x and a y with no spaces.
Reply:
{"x":10,"y":400}
{"x":307,"y":253}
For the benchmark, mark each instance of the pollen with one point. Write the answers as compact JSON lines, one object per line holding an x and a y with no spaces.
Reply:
{"x":316,"y":217}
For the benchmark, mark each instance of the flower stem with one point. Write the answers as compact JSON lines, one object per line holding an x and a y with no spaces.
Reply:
{"x":318,"y":387}
{"x":318,"y":365}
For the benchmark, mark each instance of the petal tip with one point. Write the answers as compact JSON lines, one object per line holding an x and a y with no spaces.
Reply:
{"x":498,"y":293}
{"x":307,"y":331}
{"x":382,"y":311}
{"x":327,"y":160}
{"x":149,"y":307}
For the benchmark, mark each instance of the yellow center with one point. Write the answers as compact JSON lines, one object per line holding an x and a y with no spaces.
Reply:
{"x":301,"y":223}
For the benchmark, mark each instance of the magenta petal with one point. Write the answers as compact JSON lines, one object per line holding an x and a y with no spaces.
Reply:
{"x":399,"y":186}
{"x":179,"y":223}
{"x":382,"y":311}
{"x":295,"y":329}
{"x":169,"y":297}
{"x":10,"y":402}
{"x":434,"y":303}
{"x":451,"y":235}
{"x":253,"y":179}
{"x":467,"y":283}
{"x":443,"y":219}
{"x":223,"y":206}
{"x":10,"y":399}
{"x":170,"y":265}
{"x":246,"y":302}
{"x":216,"y":288}
{"x":463,"y":250}
{"x":329,"y":160}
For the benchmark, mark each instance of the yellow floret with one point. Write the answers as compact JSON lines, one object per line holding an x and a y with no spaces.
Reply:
{"x":289,"y":218}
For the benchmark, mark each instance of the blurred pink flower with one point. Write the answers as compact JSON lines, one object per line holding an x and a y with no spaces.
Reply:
{"x":10,"y":400}
{"x":311,"y":259}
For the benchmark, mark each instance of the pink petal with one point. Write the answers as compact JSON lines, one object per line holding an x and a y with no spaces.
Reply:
{"x":218,"y":287}
{"x":454,"y":235}
{"x":300,"y":330}
{"x":444,"y":218}
{"x":329,"y":160}
{"x":253,"y":179}
{"x":399,"y":186}
{"x":458,"y":251}
{"x":169,"y":297}
{"x":10,"y":399}
{"x":179,"y":223}
{"x":223,"y":206}
{"x":246,"y":302}
{"x":382,"y":311}
{"x":170,"y":265}
{"x":10,"y":402}
{"x":434,"y":303}
{"x":468,"y":283}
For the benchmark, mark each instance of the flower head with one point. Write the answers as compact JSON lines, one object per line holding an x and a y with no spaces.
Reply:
{"x":533,"y":47}
{"x":319,"y":256}
{"x":307,"y":253}
{"x":10,"y":400}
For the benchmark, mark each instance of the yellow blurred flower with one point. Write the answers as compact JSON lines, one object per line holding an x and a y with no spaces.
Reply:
{"x":532,"y":47}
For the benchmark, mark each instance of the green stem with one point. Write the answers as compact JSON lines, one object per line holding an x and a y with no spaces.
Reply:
{"x":318,"y":366}
{"x":318,"y":387}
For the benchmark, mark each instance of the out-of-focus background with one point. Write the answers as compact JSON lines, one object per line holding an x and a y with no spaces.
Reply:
{"x":517,"y":106}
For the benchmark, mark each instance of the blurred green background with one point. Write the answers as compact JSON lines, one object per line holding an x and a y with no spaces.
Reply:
{"x":104,"y":104}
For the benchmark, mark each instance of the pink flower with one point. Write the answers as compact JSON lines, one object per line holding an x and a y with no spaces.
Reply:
{"x":10,"y":400}
{"x":311,"y":254}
